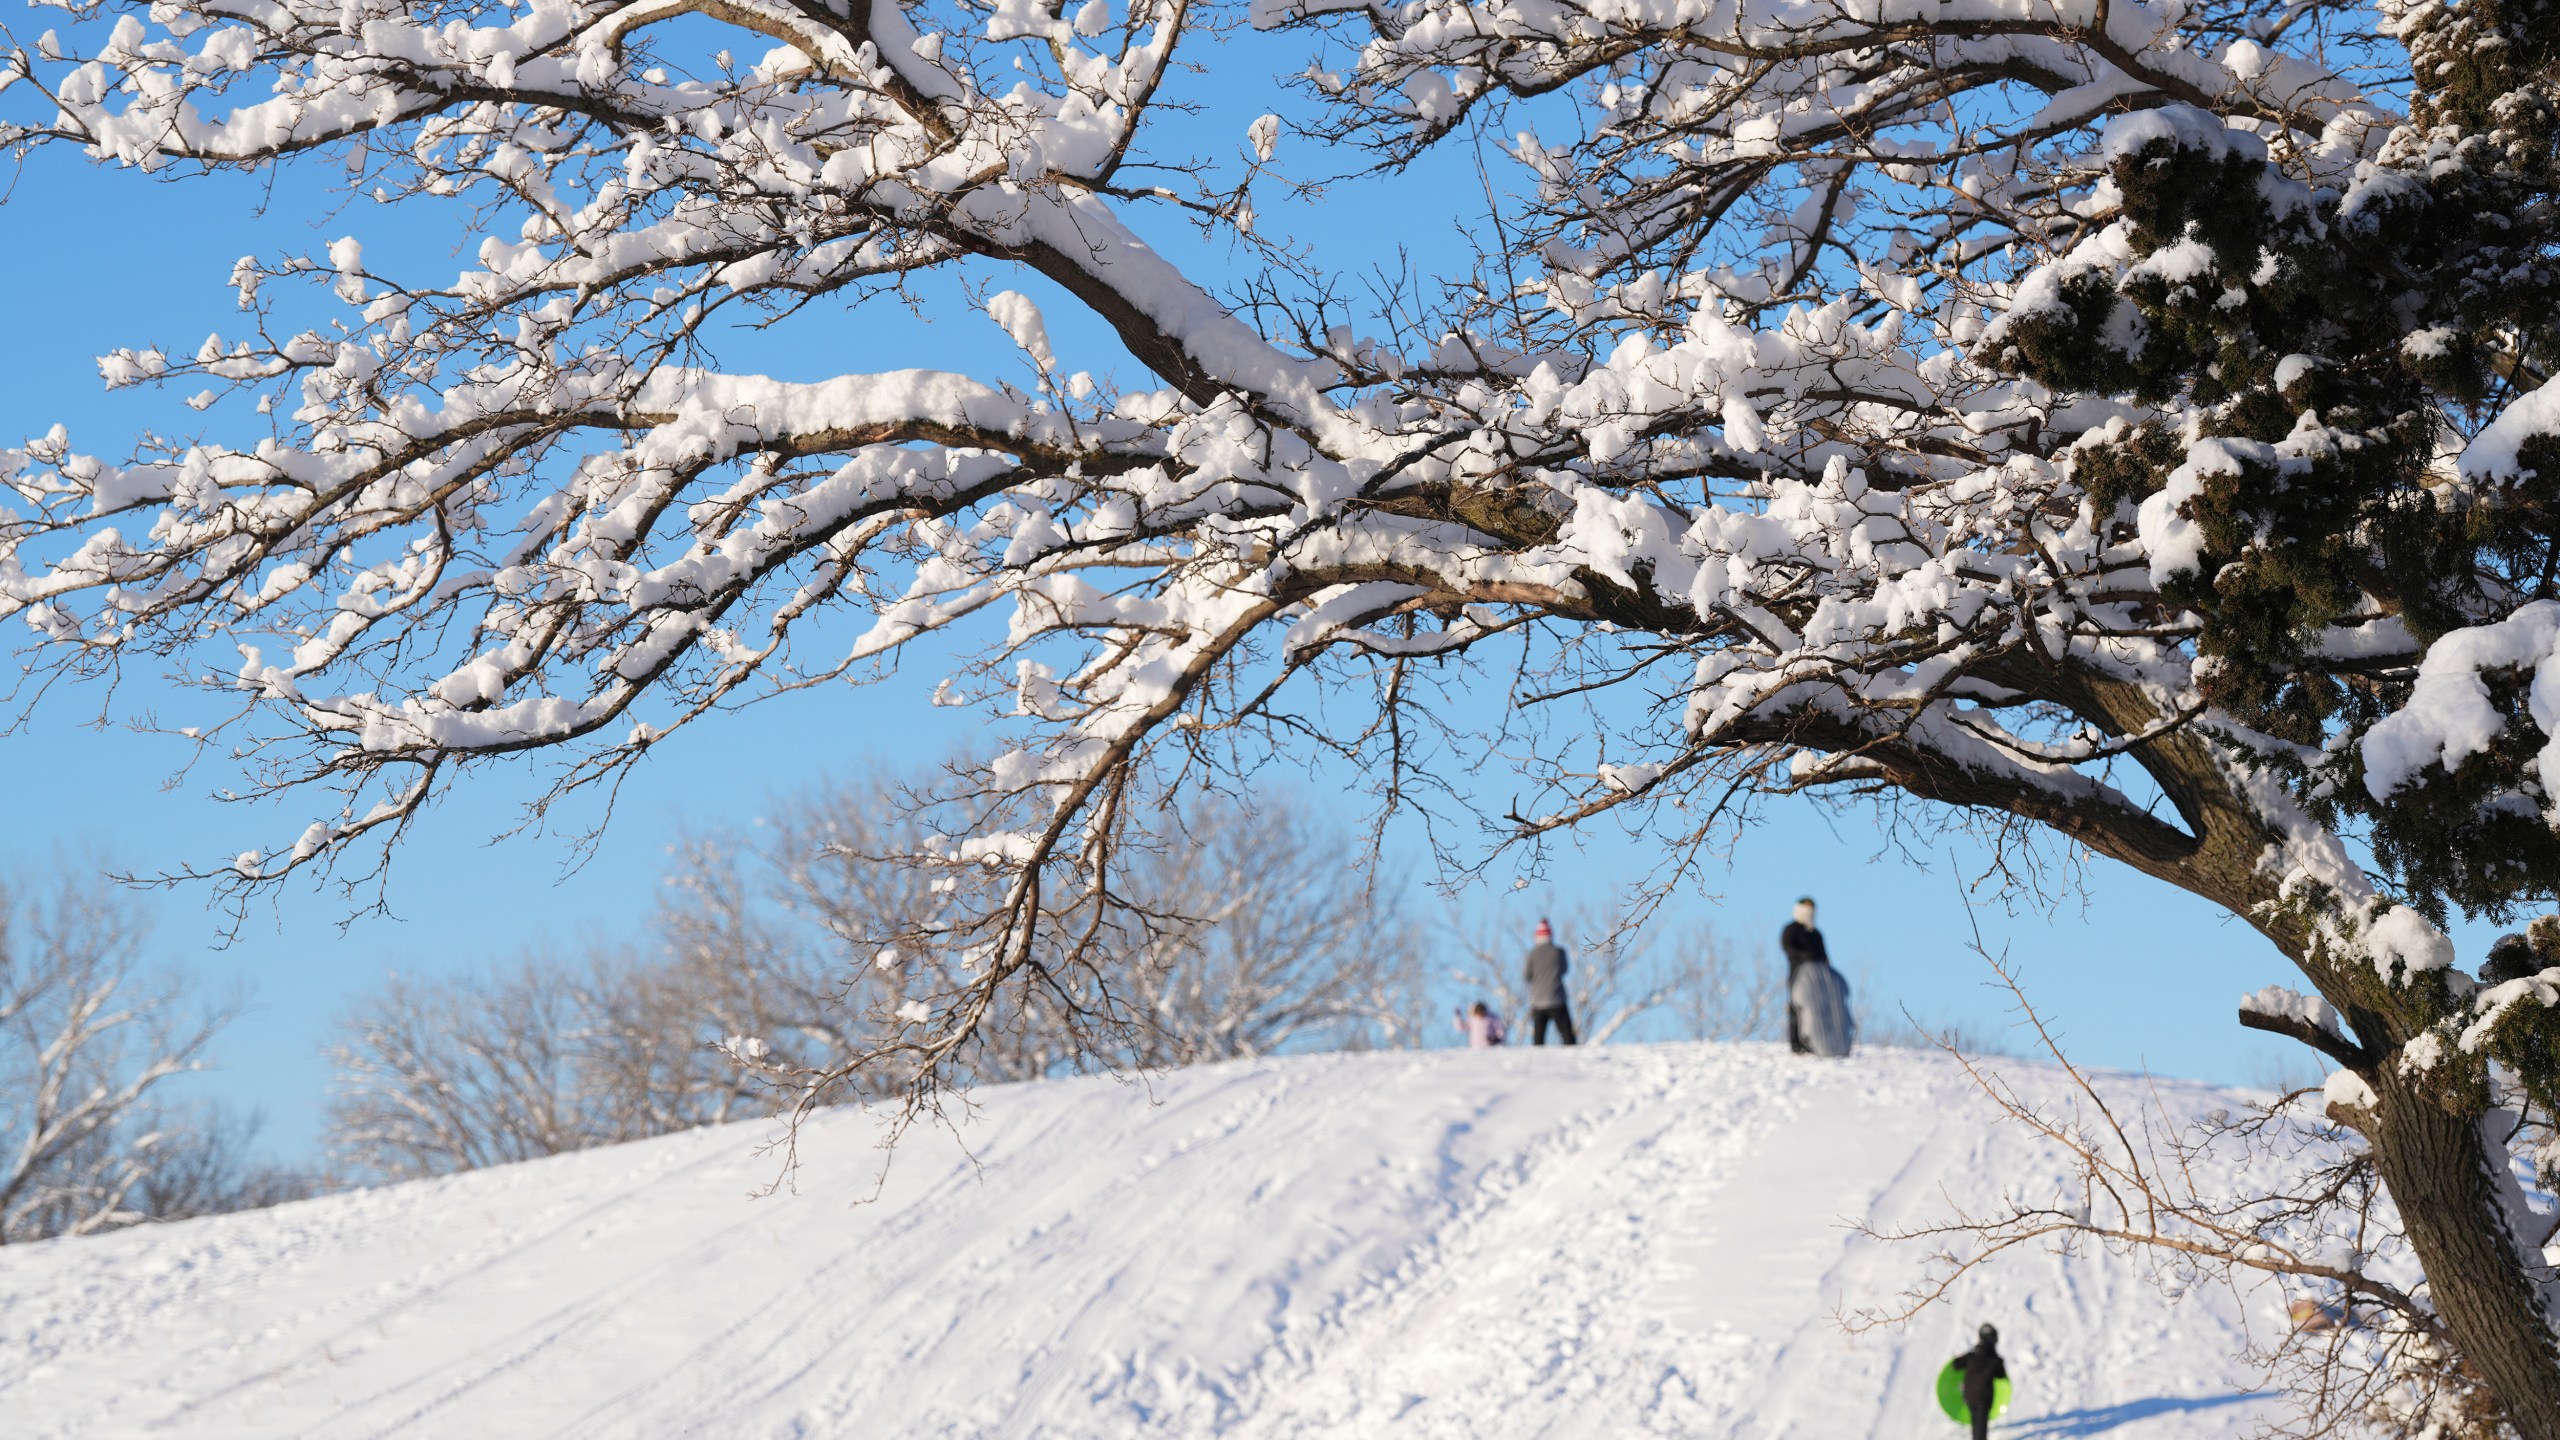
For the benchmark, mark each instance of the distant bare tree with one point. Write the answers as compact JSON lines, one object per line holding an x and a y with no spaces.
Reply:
{"x":205,"y":1163}
{"x":857,"y":930}
{"x":1686,"y":976}
{"x":1728,"y":995}
{"x":549,"y":1053}
{"x":1244,"y":935}
{"x":436,"y":1075}
{"x":1268,"y":942}
{"x":1901,"y":1030}
{"x":1232,"y":932}
{"x":732,"y":961}
{"x":86,"y":1045}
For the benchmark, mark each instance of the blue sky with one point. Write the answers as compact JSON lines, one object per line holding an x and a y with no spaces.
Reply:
{"x":2134,"y":972}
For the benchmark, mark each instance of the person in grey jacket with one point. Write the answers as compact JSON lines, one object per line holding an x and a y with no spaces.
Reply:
{"x":1545,"y":973}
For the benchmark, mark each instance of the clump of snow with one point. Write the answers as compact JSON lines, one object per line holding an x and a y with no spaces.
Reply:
{"x":346,"y":254}
{"x":2423,"y":1053}
{"x":2492,"y":1004}
{"x":2397,"y":937}
{"x":2173,"y":540}
{"x":1628,"y":779}
{"x":2280,"y":1003}
{"x":2183,"y":127}
{"x":2427,"y":342}
{"x":2492,"y":454}
{"x":2347,"y":1090}
{"x":2449,"y":716}
{"x":1022,"y":320}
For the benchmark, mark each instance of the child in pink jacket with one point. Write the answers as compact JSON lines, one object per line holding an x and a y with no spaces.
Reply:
{"x":1483,"y":1027}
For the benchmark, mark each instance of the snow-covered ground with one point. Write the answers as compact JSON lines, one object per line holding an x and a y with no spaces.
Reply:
{"x":1597,"y":1243}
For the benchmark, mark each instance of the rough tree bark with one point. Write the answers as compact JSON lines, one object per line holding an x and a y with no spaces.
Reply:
{"x":2432,"y":1160}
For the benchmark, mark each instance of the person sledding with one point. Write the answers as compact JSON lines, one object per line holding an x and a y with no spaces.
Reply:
{"x":1981,"y":1383}
{"x":1545,"y":974}
{"x":1818,"y":1020}
{"x":1483,"y":1027}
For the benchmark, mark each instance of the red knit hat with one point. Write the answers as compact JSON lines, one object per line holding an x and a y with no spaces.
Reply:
{"x":1546,"y":931}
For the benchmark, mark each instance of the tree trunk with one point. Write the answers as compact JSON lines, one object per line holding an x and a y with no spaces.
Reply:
{"x":2437,"y":1172}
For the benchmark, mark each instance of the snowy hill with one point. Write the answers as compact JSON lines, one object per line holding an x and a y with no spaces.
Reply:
{"x":1618,"y":1242}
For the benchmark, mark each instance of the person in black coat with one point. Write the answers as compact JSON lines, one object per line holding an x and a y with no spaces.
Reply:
{"x":1980,"y":1366}
{"x":1802,"y":944}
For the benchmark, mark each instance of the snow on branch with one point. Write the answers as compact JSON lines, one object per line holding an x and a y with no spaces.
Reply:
{"x":2451,"y":716}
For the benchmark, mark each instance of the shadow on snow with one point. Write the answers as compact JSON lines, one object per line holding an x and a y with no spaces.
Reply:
{"x":2069,"y":1424}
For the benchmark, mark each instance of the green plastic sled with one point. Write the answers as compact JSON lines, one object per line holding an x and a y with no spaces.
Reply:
{"x":1951,"y":1395}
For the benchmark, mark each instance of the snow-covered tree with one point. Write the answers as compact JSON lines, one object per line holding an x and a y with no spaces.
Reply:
{"x":2119,"y":420}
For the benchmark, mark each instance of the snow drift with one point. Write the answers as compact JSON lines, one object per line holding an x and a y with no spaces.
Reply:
{"x":1605,"y":1242}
